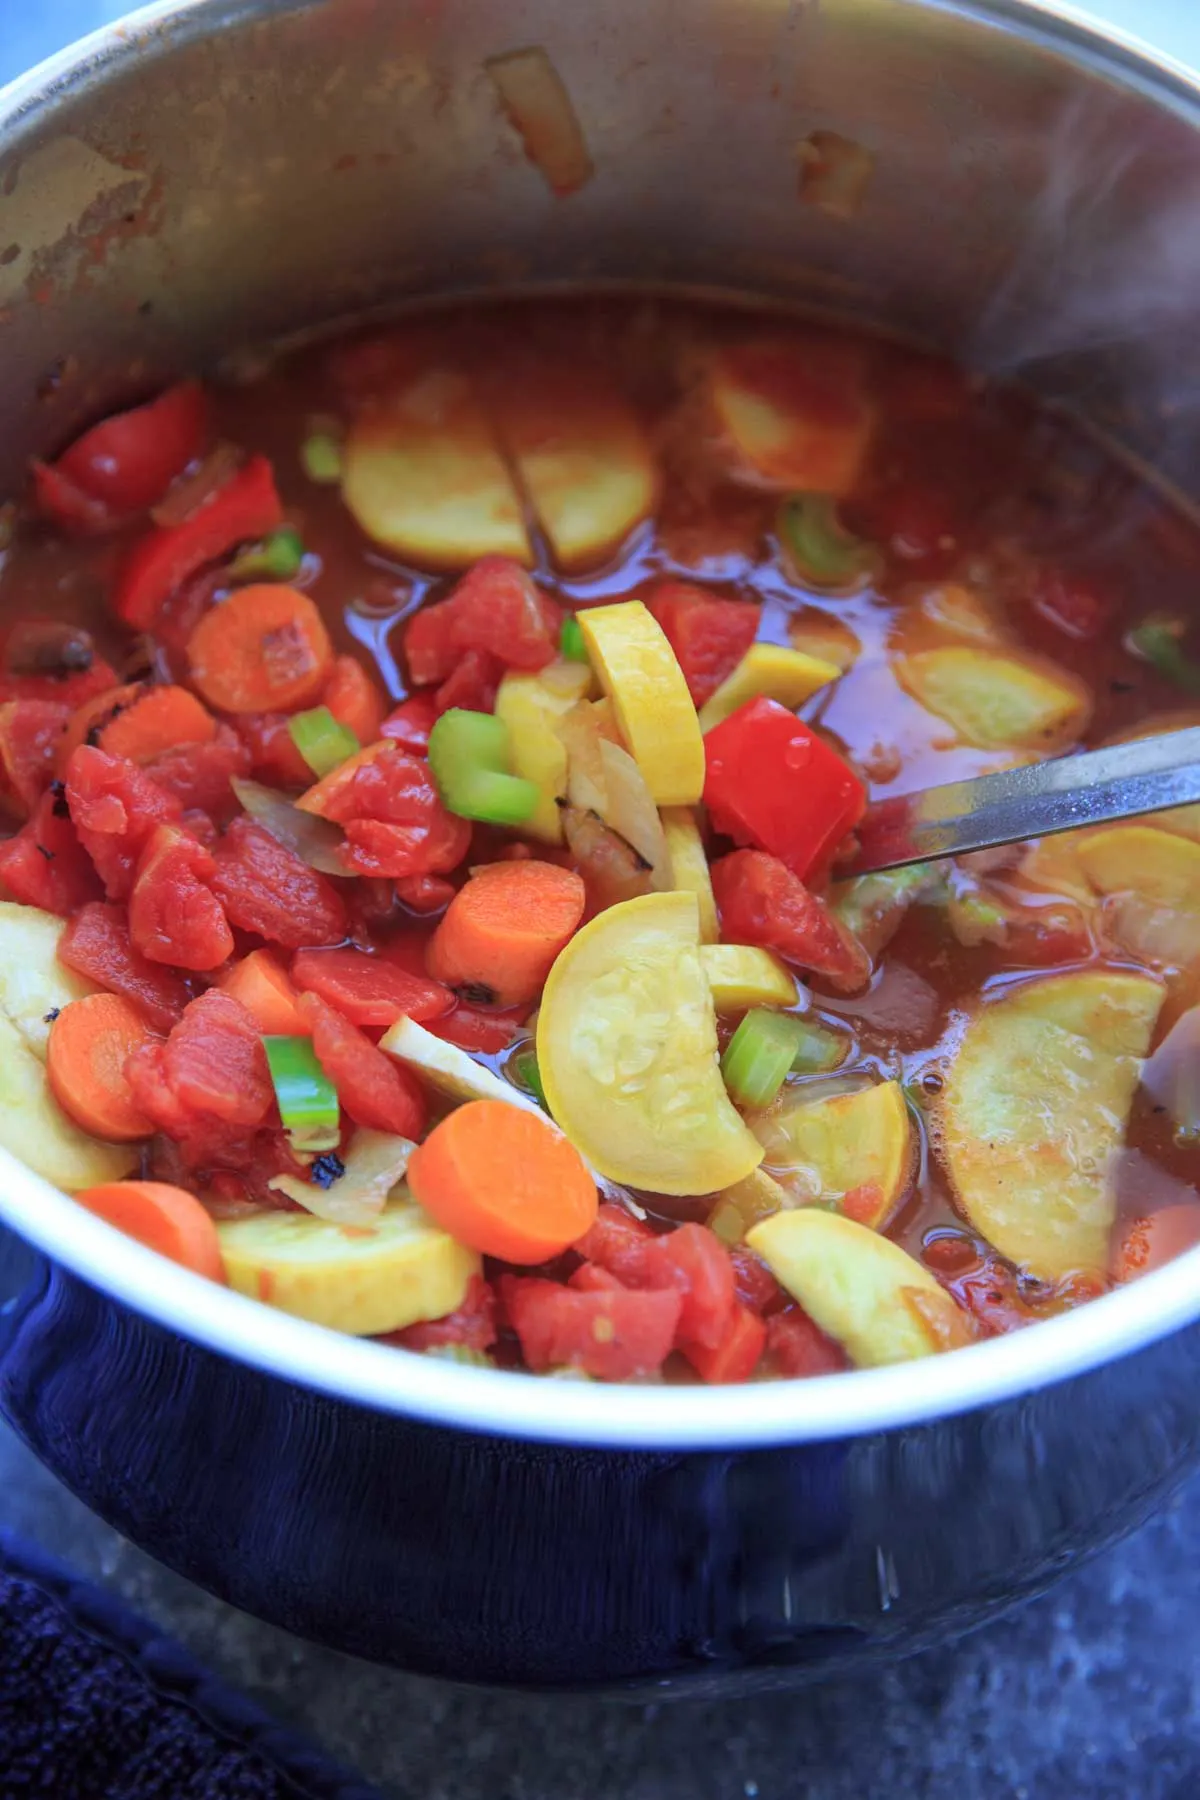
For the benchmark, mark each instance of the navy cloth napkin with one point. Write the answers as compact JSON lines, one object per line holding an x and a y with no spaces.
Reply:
{"x":96,"y":1705}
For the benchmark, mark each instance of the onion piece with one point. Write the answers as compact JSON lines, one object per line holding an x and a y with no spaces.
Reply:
{"x":610,"y":866}
{"x":533,"y":95}
{"x":834,"y":173}
{"x":315,"y":841}
{"x":602,"y":778}
{"x":374,"y":1163}
{"x":189,"y":492}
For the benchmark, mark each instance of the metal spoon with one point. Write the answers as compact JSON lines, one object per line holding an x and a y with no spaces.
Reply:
{"x":1062,"y":795}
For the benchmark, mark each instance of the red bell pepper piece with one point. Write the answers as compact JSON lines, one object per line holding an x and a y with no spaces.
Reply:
{"x":248,"y":506}
{"x":774,"y":784}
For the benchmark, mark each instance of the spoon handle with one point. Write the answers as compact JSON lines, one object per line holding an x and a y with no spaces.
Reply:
{"x":1061,"y":795}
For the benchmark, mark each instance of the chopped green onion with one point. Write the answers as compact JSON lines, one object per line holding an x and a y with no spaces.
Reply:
{"x":469,"y":761}
{"x":308,"y":1102}
{"x":525,"y":1064}
{"x":1158,"y":641}
{"x":823,"y":552}
{"x":818,"y":1050}
{"x":321,"y":458}
{"x":872,"y":907}
{"x":278,"y":558}
{"x":759,"y":1055}
{"x":323,"y":741}
{"x":571,"y":643}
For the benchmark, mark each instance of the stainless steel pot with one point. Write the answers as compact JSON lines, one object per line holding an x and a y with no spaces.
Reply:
{"x":214,"y":175}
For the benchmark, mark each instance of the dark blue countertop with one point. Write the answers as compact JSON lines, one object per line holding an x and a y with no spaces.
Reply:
{"x":1093,"y":1690}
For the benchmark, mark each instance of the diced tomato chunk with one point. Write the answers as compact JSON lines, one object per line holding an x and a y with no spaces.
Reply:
{"x":374,"y":1090}
{"x":425,"y":894}
{"x":485,"y":1032}
{"x":618,"y":1242}
{"x":96,"y":943}
{"x":392,"y":815}
{"x":369,"y":990}
{"x":411,"y":722}
{"x":212,"y":1068}
{"x":473,"y":684}
{"x":66,"y":504}
{"x":115,"y":807}
{"x":30,"y":731}
{"x":754,"y":1283}
{"x":233,"y":1169}
{"x":199,"y":774}
{"x":612,"y":1335}
{"x":45,"y":864}
{"x":174,"y":916}
{"x":496,"y":608}
{"x":737,"y":1353}
{"x":473,"y":1324}
{"x":266,"y":888}
{"x":761,"y":902}
{"x":798,"y":1347}
{"x":694,"y":1260}
{"x":709,"y":635}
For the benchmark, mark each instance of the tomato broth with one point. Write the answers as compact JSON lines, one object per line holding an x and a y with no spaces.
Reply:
{"x":431,"y":768}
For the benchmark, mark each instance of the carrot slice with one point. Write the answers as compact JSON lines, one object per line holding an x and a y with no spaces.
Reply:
{"x":267,"y":993}
{"x":138,"y":721}
{"x":89,"y":1044}
{"x":265,"y":649}
{"x":503,"y":930}
{"x":355,"y":700}
{"x":504,"y":1182}
{"x":162,"y":1217}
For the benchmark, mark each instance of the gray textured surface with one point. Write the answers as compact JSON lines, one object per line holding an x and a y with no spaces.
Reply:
{"x":1094,"y":1690}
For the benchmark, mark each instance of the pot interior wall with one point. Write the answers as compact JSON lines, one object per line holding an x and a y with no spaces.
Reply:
{"x":231,"y":172}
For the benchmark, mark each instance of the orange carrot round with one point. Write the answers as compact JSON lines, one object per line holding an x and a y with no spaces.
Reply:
{"x":162,"y":1217}
{"x":265,"y":649}
{"x":139,"y":721}
{"x":354,"y":699}
{"x":503,"y":930}
{"x":504,"y":1182}
{"x":90,"y":1042}
{"x":267,"y":993}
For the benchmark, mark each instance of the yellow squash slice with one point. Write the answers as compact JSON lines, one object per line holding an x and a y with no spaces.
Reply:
{"x":741,"y":976}
{"x":582,"y":454}
{"x":794,"y":410}
{"x":689,"y":866}
{"x":1151,"y":880}
{"x":34,"y":1128}
{"x":771,"y":672}
{"x":33,"y":983}
{"x":627,"y":1048}
{"x":638,"y":670}
{"x":424,"y":478}
{"x":450,"y":1069}
{"x":1034,"y":1106}
{"x":362,"y":1279}
{"x":529,"y":705}
{"x":878,"y":1302}
{"x":829,"y":1148}
{"x":997,"y":702}
{"x":825,"y":639}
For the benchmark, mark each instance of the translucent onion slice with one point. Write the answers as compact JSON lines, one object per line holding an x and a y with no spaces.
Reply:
{"x":375,"y":1163}
{"x":603,"y":779}
{"x":538,"y":105}
{"x":315,"y":841}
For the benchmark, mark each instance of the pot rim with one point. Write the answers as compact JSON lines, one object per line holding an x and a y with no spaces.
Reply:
{"x":648,"y":1418}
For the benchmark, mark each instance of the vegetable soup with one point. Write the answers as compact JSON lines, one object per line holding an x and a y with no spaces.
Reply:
{"x":431,"y":768}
